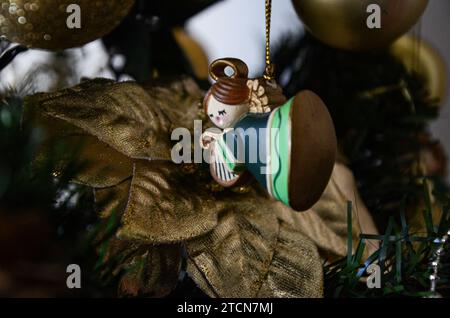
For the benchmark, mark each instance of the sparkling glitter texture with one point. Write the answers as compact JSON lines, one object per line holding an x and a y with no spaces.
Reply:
{"x":43,"y":23}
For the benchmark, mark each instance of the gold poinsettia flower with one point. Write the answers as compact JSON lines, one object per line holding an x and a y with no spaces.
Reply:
{"x":231,"y":244}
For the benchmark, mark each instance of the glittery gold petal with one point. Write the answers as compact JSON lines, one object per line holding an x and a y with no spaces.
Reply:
{"x":102,"y":165}
{"x":296,"y":268}
{"x":99,"y":164}
{"x":233,"y":258}
{"x":326,"y":222}
{"x":121,"y":115}
{"x":250,"y":254}
{"x":166,"y":205}
{"x":112,"y":199}
{"x":153,"y":273}
{"x":179,"y":99}
{"x":142,"y":270}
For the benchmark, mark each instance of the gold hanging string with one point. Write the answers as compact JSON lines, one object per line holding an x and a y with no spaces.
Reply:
{"x":269,"y":71}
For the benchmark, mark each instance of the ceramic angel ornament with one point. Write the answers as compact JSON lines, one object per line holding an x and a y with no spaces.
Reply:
{"x":288,"y":146}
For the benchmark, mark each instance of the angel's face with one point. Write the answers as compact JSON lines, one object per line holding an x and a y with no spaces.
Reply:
{"x":223,"y":115}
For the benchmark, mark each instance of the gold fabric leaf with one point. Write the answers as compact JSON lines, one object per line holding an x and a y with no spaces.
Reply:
{"x":166,"y":205}
{"x":112,"y":199}
{"x":99,"y":165}
{"x":296,"y":268}
{"x":104,"y":155}
{"x":153,"y":273}
{"x":121,"y":127}
{"x":326,"y":222}
{"x":178,"y":99}
{"x":234,"y":257}
{"x":249,"y":254}
{"x":102,"y":165}
{"x":121,"y":115}
{"x":143,"y":270}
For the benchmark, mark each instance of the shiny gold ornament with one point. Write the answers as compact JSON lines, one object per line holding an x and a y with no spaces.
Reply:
{"x":193,"y":51}
{"x":343,"y":23}
{"x":46,"y":24}
{"x":420,"y":57}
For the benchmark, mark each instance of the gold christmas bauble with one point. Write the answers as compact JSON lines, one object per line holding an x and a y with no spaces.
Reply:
{"x":343,"y":23}
{"x":59,"y":24}
{"x":420,"y":57}
{"x":193,"y":51}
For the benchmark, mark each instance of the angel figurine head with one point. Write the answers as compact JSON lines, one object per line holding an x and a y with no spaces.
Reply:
{"x":233,"y":96}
